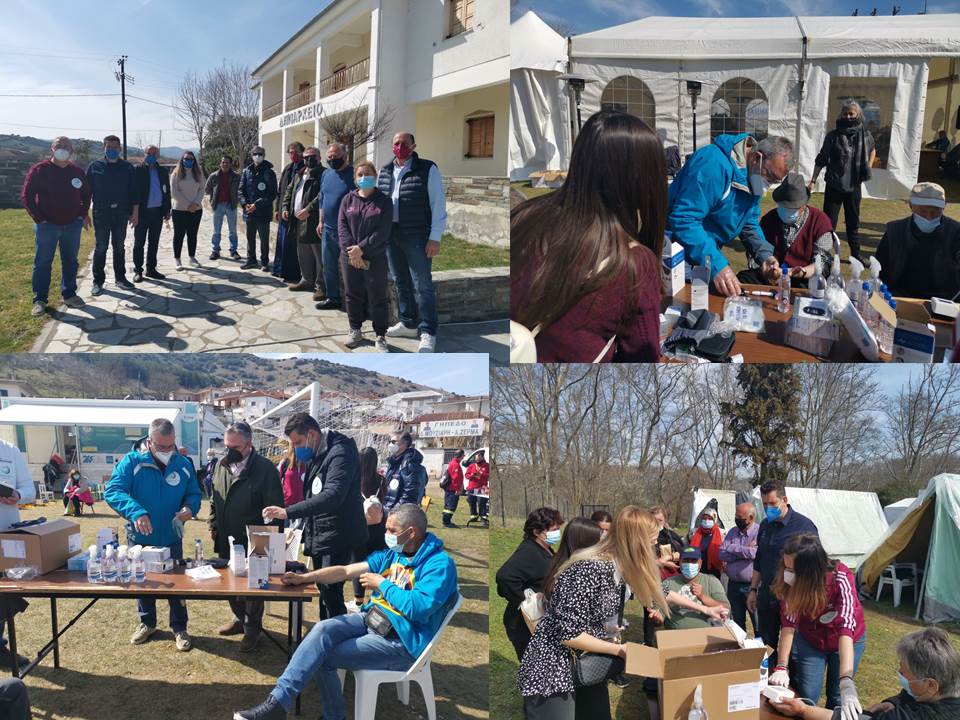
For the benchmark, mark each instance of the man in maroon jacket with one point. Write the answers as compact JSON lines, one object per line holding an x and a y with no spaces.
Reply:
{"x":57,"y":196}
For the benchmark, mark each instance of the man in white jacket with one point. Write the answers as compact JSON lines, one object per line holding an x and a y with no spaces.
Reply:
{"x":14,"y":474}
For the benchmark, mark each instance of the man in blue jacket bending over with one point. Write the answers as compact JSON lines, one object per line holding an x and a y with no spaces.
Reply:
{"x":414,"y":584}
{"x":716,"y":198}
{"x":155,"y":490}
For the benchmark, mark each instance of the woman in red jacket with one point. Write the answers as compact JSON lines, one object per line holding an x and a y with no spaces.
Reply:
{"x":707,"y":538}
{"x":453,"y":489}
{"x":478,"y":492}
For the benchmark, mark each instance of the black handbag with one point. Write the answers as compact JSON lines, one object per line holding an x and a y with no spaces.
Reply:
{"x":445,"y":479}
{"x":595,"y":668}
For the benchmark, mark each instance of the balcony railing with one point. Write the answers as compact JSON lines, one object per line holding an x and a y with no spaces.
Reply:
{"x":302,"y":97}
{"x":271,"y":111}
{"x":345,"y":77}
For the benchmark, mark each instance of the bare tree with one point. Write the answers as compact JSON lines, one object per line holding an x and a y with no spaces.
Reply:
{"x":194,"y":109}
{"x":355,"y":127}
{"x":233,"y":106}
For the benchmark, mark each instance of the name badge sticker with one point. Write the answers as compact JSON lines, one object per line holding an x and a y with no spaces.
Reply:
{"x":262,"y":186}
{"x":77,"y":183}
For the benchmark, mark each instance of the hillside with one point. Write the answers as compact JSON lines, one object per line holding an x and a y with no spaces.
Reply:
{"x":116,"y":376}
{"x":36,"y":148}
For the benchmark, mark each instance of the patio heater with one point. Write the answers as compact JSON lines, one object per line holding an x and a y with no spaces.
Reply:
{"x":693,"y":90}
{"x":576,"y":83}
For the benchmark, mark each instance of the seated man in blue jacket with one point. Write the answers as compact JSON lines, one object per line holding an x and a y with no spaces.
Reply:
{"x":716,"y":198}
{"x":404,"y":471}
{"x":414,"y":585}
{"x":155,"y":490}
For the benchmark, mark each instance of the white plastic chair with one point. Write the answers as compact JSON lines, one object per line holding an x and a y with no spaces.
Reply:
{"x":889,"y":577}
{"x":44,"y":495}
{"x":368,"y":681}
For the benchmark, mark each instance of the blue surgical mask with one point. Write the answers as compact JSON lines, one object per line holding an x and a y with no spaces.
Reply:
{"x":303,"y":454}
{"x":188,"y":163}
{"x":689,"y":570}
{"x":553,"y":537}
{"x":773,"y":513}
{"x":788,"y":215}
{"x":926,"y":226}
{"x":151,"y":159}
{"x":905,"y":684}
{"x":393,"y":542}
{"x":111,"y":154}
{"x":706,"y":524}
{"x":366,"y":182}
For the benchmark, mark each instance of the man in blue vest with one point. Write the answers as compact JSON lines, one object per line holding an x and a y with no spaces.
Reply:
{"x":155,"y":490}
{"x":419,"y":218}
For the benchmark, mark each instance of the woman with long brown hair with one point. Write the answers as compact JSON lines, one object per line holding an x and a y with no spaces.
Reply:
{"x":585,"y":260}
{"x":186,"y":193}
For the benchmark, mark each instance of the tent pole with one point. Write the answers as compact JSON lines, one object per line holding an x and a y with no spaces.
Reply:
{"x":803,"y":70}
{"x":926,"y":568}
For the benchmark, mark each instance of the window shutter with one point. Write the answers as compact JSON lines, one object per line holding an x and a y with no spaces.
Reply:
{"x":487,"y":136}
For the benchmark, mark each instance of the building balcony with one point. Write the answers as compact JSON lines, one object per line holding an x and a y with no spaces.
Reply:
{"x":302,"y":97}
{"x":345,"y":77}
{"x":272,"y":111}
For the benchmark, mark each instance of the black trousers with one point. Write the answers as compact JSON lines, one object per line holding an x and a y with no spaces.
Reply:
{"x":185,"y":224}
{"x":76,"y":505}
{"x":331,"y":595}
{"x":262,"y":226}
{"x":110,"y":231}
{"x":147,"y":231}
{"x":478,"y":506}
{"x":589,"y":703}
{"x":833,"y":200}
{"x":249,"y":612}
{"x":517,"y":631}
{"x":450,"y":502}
{"x":366,"y":293}
{"x":768,"y":615}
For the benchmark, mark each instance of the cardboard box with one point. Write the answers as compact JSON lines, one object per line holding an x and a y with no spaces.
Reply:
{"x":710,"y":657}
{"x":673,"y":272}
{"x":914,"y":338}
{"x":238,"y":559}
{"x":46,"y":547}
{"x":276,"y":546}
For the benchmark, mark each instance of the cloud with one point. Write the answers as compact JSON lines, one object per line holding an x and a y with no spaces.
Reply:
{"x":619,"y":10}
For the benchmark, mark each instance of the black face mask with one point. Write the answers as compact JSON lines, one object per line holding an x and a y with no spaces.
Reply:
{"x":233,"y":456}
{"x":335,"y":163}
{"x":742,"y":524}
{"x":844,"y":123}
{"x":310,"y":161}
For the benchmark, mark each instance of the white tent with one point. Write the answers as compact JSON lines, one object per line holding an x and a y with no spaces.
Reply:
{"x":781,"y":76}
{"x":894,"y":511}
{"x":539,"y":108}
{"x":848,"y":521}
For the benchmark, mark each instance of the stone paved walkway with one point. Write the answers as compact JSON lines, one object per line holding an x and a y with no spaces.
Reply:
{"x":220,"y":307}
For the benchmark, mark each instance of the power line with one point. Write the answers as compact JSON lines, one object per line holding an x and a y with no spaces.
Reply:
{"x":103,"y":129}
{"x":60,"y":95}
{"x":154,"y":102}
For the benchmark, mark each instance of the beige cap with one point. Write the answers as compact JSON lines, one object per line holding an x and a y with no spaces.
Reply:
{"x":928,"y":193}
{"x":709,"y":511}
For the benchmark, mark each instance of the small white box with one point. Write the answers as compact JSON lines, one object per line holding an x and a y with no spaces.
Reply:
{"x":152,"y":553}
{"x":160,"y":566}
{"x":913,"y":342}
{"x":276,"y":548}
{"x":945,"y":308}
{"x":811,"y":327}
{"x":258,"y":571}
{"x":238,"y":559}
{"x":673,"y":273}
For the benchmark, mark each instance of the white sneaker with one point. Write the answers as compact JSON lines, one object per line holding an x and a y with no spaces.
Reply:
{"x":428,"y":343}
{"x":141,"y":634}
{"x":381,"y":344}
{"x":401,"y":330}
{"x":179,"y":264}
{"x":194,"y":262}
{"x":354,"y":339}
{"x":39,"y":309}
{"x":352,"y":607}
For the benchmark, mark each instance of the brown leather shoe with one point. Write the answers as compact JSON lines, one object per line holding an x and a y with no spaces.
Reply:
{"x":319,"y":295}
{"x":299,"y":287}
{"x":250,"y":640}
{"x":234,"y":627}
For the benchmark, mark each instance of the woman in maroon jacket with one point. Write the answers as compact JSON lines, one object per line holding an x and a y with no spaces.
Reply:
{"x":585,"y":260}
{"x":366,"y":215}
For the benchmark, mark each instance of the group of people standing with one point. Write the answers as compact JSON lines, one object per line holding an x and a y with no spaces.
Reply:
{"x":341,"y":229}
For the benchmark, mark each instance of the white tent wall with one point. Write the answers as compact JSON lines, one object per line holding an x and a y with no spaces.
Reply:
{"x":540,"y":137}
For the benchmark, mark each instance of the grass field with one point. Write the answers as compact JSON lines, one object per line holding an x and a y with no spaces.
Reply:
{"x":103,"y":676}
{"x":17,"y":246}
{"x":876,"y":679}
{"x":457,"y":254}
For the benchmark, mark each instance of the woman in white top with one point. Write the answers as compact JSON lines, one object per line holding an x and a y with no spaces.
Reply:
{"x":186,"y":192}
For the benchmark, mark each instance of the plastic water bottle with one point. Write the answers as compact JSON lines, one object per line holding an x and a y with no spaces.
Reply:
{"x":764,"y":671}
{"x":864,"y":298}
{"x":109,"y":565}
{"x":138,"y":569}
{"x":783,"y":290}
{"x":885,"y":338}
{"x":700,"y":286}
{"x":93,"y":567}
{"x":123,"y":565}
{"x":818,"y":283}
{"x":696,"y":710}
{"x":198,"y":553}
{"x":836,"y":276}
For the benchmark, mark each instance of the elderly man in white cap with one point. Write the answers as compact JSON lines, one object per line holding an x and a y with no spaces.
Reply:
{"x":920,"y":254}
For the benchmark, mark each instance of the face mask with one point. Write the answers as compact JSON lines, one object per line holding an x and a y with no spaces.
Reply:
{"x":788,"y":215}
{"x":689,"y":570}
{"x":707,"y":524}
{"x":773,"y":513}
{"x":392,"y":448}
{"x":151,"y":159}
{"x":111,"y":154}
{"x":742,"y":524}
{"x":924,"y":225}
{"x":164,"y":457}
{"x":257,"y":159}
{"x":233,"y":456}
{"x":61,"y":154}
{"x":553,"y":537}
{"x":335,"y":163}
{"x":393,"y":542}
{"x":844,"y":123}
{"x":310,"y":161}
{"x":402,"y":152}
{"x":789,"y":577}
{"x":303,"y":454}
{"x":188,"y":163}
{"x":905,"y":684}
{"x":758,"y":185}
{"x":366,"y":182}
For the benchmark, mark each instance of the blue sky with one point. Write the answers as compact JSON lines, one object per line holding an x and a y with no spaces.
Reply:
{"x":587,"y":15}
{"x":463,"y":373}
{"x":57,"y":47}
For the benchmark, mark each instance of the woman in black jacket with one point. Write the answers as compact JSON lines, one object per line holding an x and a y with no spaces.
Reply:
{"x":373,"y":488}
{"x":527,"y":568}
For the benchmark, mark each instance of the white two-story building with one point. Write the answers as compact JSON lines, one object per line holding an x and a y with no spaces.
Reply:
{"x":438,"y":68}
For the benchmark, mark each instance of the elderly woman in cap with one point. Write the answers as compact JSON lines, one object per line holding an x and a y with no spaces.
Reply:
{"x":798,"y":232}
{"x":929,"y":676}
{"x":847,"y":154}
{"x":707,"y":538}
{"x":920,"y":255}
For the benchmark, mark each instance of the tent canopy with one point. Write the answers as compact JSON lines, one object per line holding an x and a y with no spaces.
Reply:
{"x":847,"y":521}
{"x":534,"y":45}
{"x":85,"y":415}
{"x":894,"y":511}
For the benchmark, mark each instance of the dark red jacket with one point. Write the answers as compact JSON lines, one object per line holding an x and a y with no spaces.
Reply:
{"x":843,"y":614}
{"x":478,"y":476}
{"x":54,"y":194}
{"x":455,"y":473}
{"x":800,"y":253}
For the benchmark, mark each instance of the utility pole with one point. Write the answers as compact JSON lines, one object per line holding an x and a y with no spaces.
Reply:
{"x":123,"y":78}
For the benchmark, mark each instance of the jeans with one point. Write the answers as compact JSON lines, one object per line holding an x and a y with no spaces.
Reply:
{"x":147,"y":607}
{"x":331,"y":262}
{"x":412,"y":270}
{"x":366,"y":294}
{"x":809,"y":664}
{"x":221,"y":211}
{"x":185,"y":223}
{"x":833,"y":200}
{"x":48,"y":237}
{"x":262,"y":226}
{"x":147,"y":231}
{"x":342,"y":642}
{"x":331,"y":595}
{"x":737,"y":593}
{"x":110,"y":230}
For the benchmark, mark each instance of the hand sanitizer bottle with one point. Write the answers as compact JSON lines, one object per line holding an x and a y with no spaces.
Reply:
{"x":123,"y":565}
{"x":817,"y":283}
{"x":138,"y":568}
{"x":93,"y":567}
{"x":783,"y":290}
{"x":198,"y":553}
{"x":696,"y":710}
{"x":109,"y":566}
{"x":700,"y":286}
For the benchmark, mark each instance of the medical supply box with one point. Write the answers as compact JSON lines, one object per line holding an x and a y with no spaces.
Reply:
{"x":46,"y":546}
{"x":711,"y":657}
